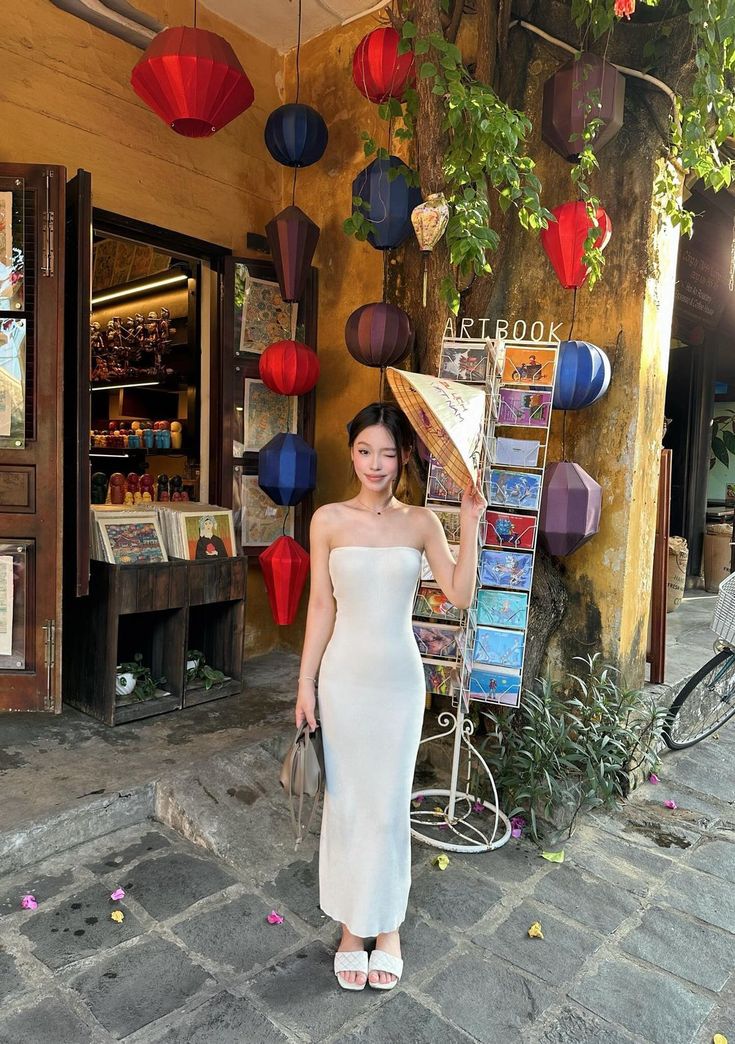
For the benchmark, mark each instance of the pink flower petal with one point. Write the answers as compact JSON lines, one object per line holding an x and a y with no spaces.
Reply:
{"x":29,"y":902}
{"x":653,"y":778}
{"x":119,"y":893}
{"x":274,"y":918}
{"x":478,"y":807}
{"x":419,"y":798}
{"x":517,"y":824}
{"x":516,"y":831}
{"x":670,"y":804}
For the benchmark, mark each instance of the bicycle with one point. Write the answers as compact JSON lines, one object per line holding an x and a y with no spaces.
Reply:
{"x":706,"y":701}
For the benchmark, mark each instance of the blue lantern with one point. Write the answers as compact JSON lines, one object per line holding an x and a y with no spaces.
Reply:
{"x":287,"y":469}
{"x":582,"y":375}
{"x":388,"y":202}
{"x":296,"y":135}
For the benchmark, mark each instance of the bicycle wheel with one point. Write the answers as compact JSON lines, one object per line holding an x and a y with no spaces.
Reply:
{"x":704,"y":704}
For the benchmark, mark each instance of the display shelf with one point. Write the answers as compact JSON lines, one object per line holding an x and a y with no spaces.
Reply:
{"x":151,"y":609}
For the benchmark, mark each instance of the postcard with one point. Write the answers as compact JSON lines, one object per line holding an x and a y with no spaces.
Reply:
{"x":495,"y":686}
{"x":440,"y":486}
{"x":264,"y":316}
{"x":507,"y":530}
{"x":502,"y":608}
{"x":529,"y":365}
{"x":441,"y":679}
{"x":130,"y":539}
{"x":501,"y":648}
{"x":520,"y":453}
{"x":507,"y":569}
{"x":449,"y":518}
{"x":262,"y":520}
{"x":529,"y":409}
{"x":208,"y":534}
{"x":432,"y":604}
{"x":462,"y":362}
{"x":265,"y":415}
{"x":518,"y":489}
{"x":426,"y":573}
{"x":437,"y":640}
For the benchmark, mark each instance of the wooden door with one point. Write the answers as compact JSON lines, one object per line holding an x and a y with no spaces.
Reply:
{"x":31,"y":390}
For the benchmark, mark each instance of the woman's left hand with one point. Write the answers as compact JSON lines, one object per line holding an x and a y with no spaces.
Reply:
{"x":473,"y":505}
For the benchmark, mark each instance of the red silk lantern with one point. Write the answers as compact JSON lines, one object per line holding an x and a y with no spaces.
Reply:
{"x":292,"y":237}
{"x":192,"y":79}
{"x":289,"y":368}
{"x":285,"y":567}
{"x":378,"y":70}
{"x":564,"y":240}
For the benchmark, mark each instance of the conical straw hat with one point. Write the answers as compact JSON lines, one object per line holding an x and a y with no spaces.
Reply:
{"x":448,"y":416}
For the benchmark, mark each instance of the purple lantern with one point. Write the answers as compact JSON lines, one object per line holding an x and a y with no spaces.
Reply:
{"x":584,"y":89}
{"x":570,"y":508}
{"x":378,"y":334}
{"x":292,"y":237}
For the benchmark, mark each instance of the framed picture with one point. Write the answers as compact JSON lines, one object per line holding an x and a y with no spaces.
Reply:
{"x":510,"y":570}
{"x":207,"y":534}
{"x":265,"y":415}
{"x":441,"y":678}
{"x":449,"y":518}
{"x":436,"y":640}
{"x":130,"y":538}
{"x":502,"y":609}
{"x":529,"y":365}
{"x":529,"y":409}
{"x":266,"y":317}
{"x":462,"y":362}
{"x":440,"y":486}
{"x":495,"y":686}
{"x":432,"y":604}
{"x":262,"y":520}
{"x":507,"y":530}
{"x":498,"y":647}
{"x":426,"y":573}
{"x":515,"y":489}
{"x":519,"y":453}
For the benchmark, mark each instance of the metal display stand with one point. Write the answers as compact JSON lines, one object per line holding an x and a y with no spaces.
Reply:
{"x":455,"y":806}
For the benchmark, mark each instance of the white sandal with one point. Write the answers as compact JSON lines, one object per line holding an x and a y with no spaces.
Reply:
{"x":351,"y":960}
{"x":380,"y":960}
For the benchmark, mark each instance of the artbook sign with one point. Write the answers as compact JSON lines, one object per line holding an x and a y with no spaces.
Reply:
{"x":519,"y":331}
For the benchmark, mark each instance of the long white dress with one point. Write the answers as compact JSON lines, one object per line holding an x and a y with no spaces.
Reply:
{"x":371,"y":704}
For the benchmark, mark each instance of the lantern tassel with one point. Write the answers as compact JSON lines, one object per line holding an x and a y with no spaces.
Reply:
{"x":426,"y":273}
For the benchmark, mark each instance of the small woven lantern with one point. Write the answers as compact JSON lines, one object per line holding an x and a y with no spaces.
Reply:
{"x":430,"y":220}
{"x":296,"y":135}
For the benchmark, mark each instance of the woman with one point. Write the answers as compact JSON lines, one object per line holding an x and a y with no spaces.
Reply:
{"x":366,"y":557}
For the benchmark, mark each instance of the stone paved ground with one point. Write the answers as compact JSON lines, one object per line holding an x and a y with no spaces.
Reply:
{"x":639,"y":925}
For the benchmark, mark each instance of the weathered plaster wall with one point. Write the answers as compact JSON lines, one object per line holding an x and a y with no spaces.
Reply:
{"x":67,"y":99}
{"x":628,"y":314}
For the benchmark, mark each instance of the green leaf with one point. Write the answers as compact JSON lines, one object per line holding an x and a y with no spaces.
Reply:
{"x":729,"y":440}
{"x":720,"y":451}
{"x":427,"y":69}
{"x":408,"y":30}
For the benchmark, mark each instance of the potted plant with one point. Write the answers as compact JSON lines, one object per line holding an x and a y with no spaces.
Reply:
{"x":198,"y":670}
{"x":144,"y":686}
{"x":571,"y":745}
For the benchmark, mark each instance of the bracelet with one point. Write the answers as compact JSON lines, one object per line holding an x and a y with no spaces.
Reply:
{"x":304,"y":678}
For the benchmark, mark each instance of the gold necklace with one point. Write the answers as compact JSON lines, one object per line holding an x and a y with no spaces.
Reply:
{"x":371,"y":510}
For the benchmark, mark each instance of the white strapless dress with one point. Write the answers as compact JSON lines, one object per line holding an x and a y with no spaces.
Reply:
{"x":371,"y":705}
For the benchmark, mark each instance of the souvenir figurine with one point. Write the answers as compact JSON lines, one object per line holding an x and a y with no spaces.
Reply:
{"x":99,"y":488}
{"x":176,"y":435}
{"x":162,"y":492}
{"x":117,"y":488}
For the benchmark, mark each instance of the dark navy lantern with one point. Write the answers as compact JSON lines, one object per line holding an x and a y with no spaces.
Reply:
{"x":296,"y":135}
{"x":389,"y":202}
{"x":287,"y":469}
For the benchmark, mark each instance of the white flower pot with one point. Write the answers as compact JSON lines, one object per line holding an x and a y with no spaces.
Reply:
{"x":124,"y":683}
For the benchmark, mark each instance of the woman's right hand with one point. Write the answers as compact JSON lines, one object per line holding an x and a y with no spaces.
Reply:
{"x":306,"y":705}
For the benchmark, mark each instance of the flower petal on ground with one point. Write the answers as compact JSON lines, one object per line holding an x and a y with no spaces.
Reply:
{"x":653,"y":778}
{"x":553,"y":857}
{"x":118,"y":916}
{"x":119,"y":893}
{"x":535,"y":931}
{"x":274,"y":917}
{"x":670,"y":804}
{"x":442,"y":861}
{"x":29,"y":902}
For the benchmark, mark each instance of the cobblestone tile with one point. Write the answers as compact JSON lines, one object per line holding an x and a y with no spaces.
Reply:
{"x":223,"y":1019}
{"x":171,"y":883}
{"x":152,"y":841}
{"x":684,"y":947}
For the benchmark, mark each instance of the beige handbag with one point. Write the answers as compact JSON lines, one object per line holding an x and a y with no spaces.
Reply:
{"x":302,"y":775}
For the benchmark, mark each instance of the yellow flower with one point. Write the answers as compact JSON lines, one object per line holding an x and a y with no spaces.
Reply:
{"x":118,"y":916}
{"x":442,"y":861}
{"x":534,"y":932}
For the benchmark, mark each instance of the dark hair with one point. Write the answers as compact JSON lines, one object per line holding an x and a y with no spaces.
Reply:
{"x":392,"y":418}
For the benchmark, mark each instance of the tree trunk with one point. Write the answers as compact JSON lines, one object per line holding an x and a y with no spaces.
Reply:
{"x":548,"y":602}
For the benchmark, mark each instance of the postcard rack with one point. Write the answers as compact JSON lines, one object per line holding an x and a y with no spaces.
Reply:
{"x":479,"y":654}
{"x":160,"y":610}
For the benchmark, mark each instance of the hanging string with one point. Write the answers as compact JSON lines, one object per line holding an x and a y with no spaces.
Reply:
{"x":285,"y":519}
{"x":574,"y":314}
{"x":381,"y":389}
{"x":195,"y":14}
{"x":293,"y":188}
{"x":298,"y":91}
{"x":564,"y":436}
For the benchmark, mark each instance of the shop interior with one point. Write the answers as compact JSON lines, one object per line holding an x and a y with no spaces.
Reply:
{"x":145,"y":386}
